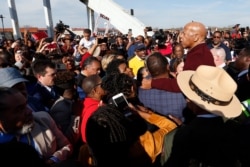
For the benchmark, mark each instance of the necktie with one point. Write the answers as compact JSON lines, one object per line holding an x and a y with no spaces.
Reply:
{"x":53,"y":93}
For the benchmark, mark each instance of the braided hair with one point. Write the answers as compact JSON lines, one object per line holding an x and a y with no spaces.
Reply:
{"x":112,"y":136}
{"x":110,"y":119}
{"x":117,"y":83}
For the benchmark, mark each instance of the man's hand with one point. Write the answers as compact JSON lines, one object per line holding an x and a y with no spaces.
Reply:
{"x":101,"y":104}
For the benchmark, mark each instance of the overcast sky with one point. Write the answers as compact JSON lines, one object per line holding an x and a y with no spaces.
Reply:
{"x":158,"y":13}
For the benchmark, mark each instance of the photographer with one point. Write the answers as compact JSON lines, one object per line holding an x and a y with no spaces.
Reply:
{"x":119,"y":46}
{"x":23,"y":62}
{"x":47,"y":45}
{"x":164,"y":42}
{"x":64,"y":38}
{"x":67,"y":45}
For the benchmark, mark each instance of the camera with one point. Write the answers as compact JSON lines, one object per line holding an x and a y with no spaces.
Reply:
{"x":61,"y":27}
{"x":76,"y":124}
{"x":149,"y":28}
{"x":159,"y":38}
{"x":102,"y":40}
{"x":52,"y":46}
{"x":130,"y":32}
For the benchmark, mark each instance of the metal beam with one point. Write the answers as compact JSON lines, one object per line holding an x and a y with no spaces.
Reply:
{"x":117,"y":15}
{"x":48,"y":18}
{"x":14,"y":19}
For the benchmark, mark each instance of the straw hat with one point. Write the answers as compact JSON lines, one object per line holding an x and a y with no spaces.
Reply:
{"x":212,"y":89}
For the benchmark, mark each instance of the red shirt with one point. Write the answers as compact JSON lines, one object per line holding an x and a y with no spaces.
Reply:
{"x":89,"y":107}
{"x":84,"y":57}
{"x":199,"y":55}
{"x":166,"y":50}
{"x":66,"y":49}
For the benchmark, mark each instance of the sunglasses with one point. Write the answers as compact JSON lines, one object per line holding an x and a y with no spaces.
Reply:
{"x":216,"y":37}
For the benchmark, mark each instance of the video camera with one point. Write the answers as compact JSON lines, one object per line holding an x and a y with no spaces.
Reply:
{"x":61,"y":27}
{"x":159,"y":38}
{"x":149,"y":28}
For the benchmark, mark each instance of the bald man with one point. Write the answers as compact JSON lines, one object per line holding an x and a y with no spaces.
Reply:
{"x":192,"y":38}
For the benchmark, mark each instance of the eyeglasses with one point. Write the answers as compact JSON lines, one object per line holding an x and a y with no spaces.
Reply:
{"x":97,"y":85}
{"x":148,"y":76}
{"x":19,"y":52}
{"x":216,"y":37}
{"x":141,"y":50}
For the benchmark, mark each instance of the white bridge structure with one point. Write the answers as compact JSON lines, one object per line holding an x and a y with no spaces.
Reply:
{"x":106,"y":9}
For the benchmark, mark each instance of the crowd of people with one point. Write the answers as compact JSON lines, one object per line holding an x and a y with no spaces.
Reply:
{"x":172,"y":99}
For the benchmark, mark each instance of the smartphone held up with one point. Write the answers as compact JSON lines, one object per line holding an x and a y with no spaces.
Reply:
{"x":120,"y":101}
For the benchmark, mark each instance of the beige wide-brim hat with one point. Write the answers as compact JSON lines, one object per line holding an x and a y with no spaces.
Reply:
{"x":212,"y":89}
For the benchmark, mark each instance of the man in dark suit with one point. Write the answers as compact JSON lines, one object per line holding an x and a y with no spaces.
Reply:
{"x":45,"y":90}
{"x":241,"y":64}
{"x":240,"y":72}
{"x":208,"y":140}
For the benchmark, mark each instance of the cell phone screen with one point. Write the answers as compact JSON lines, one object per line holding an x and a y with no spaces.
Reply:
{"x":121,"y":102}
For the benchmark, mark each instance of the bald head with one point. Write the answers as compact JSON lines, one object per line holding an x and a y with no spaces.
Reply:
{"x":198,"y":28}
{"x":193,"y":34}
{"x":89,"y":83}
{"x":157,"y":65}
